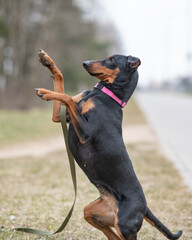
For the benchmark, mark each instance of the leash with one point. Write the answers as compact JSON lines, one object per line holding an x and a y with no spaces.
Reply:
{"x":73,"y":175}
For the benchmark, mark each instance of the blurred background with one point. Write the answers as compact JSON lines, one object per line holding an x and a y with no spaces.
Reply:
{"x":60,"y":28}
{"x":157,"y":122}
{"x":159,"y":32}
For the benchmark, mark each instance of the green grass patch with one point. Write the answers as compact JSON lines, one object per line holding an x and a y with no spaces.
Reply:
{"x":26,"y":125}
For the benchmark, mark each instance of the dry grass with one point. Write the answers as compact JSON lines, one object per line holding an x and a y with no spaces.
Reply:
{"x":18,"y":126}
{"x":38,"y":193}
{"x":132,"y":114}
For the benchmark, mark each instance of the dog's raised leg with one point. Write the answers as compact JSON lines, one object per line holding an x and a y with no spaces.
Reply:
{"x":58,"y":81}
{"x":80,"y":123}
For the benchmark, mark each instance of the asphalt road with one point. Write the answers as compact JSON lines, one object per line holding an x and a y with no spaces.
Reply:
{"x":170,"y":116}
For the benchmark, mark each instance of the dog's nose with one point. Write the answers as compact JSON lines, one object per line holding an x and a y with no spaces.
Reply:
{"x":86,"y":63}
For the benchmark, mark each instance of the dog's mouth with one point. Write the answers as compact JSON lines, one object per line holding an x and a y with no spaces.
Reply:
{"x":98,"y":70}
{"x":93,"y":68}
{"x":95,"y":74}
{"x":91,"y":72}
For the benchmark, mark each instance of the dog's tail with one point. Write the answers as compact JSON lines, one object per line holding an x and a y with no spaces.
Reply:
{"x":160,"y":226}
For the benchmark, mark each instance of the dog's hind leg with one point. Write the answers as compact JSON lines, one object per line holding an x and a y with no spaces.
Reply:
{"x":101,"y":216}
{"x":58,"y":81}
{"x":128,"y":220}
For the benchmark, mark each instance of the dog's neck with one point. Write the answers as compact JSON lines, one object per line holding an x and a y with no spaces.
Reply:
{"x":110,"y":94}
{"x":124,"y":89}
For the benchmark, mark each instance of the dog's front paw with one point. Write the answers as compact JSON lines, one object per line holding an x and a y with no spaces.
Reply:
{"x":44,"y":59}
{"x":37,"y":90}
{"x":43,"y":93}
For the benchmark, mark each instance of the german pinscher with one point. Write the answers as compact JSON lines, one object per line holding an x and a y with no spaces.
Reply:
{"x":95,"y":140}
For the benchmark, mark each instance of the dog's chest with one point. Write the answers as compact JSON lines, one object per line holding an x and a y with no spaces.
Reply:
{"x":86,"y":105}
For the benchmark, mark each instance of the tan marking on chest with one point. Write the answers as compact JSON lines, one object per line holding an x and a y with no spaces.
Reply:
{"x":88,"y":105}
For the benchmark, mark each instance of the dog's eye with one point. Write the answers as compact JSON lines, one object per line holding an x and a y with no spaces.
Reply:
{"x":111,"y":59}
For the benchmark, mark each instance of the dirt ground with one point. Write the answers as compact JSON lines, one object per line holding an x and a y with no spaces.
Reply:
{"x":131,"y":134}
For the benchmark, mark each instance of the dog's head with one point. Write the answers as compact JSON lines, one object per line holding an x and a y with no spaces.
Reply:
{"x":118,"y":72}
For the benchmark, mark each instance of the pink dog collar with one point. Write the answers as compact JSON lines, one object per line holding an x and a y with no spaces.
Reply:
{"x":110,"y":94}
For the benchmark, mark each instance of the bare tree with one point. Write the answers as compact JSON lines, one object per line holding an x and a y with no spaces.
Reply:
{"x":56,"y":26}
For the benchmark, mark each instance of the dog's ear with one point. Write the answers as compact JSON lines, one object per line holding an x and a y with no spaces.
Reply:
{"x":133,"y":62}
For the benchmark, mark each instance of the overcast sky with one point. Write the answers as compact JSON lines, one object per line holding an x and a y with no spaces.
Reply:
{"x":159,"y":32}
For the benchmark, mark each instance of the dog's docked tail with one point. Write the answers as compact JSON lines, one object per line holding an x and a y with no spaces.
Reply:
{"x":162,"y":228}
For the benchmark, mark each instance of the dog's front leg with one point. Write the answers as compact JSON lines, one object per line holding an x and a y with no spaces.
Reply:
{"x":80,"y":124}
{"x":58,"y":81}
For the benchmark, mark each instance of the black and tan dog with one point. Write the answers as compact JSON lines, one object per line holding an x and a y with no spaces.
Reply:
{"x":95,"y":140}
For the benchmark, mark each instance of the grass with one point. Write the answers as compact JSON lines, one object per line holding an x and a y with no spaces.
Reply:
{"x":26,"y":125}
{"x":37,"y":192}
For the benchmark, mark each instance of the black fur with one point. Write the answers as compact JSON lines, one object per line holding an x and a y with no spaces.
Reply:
{"x":103,"y":157}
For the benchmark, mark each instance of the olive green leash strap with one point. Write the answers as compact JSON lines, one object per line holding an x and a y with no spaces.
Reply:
{"x":73,"y":175}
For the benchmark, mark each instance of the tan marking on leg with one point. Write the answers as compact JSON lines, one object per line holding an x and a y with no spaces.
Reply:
{"x":78,"y":97}
{"x":88,"y":105}
{"x":68,"y":102}
{"x":117,"y":228}
{"x":101,"y":216}
{"x":58,"y":81}
{"x":44,"y":91}
{"x":119,"y":231}
{"x":108,"y":198}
